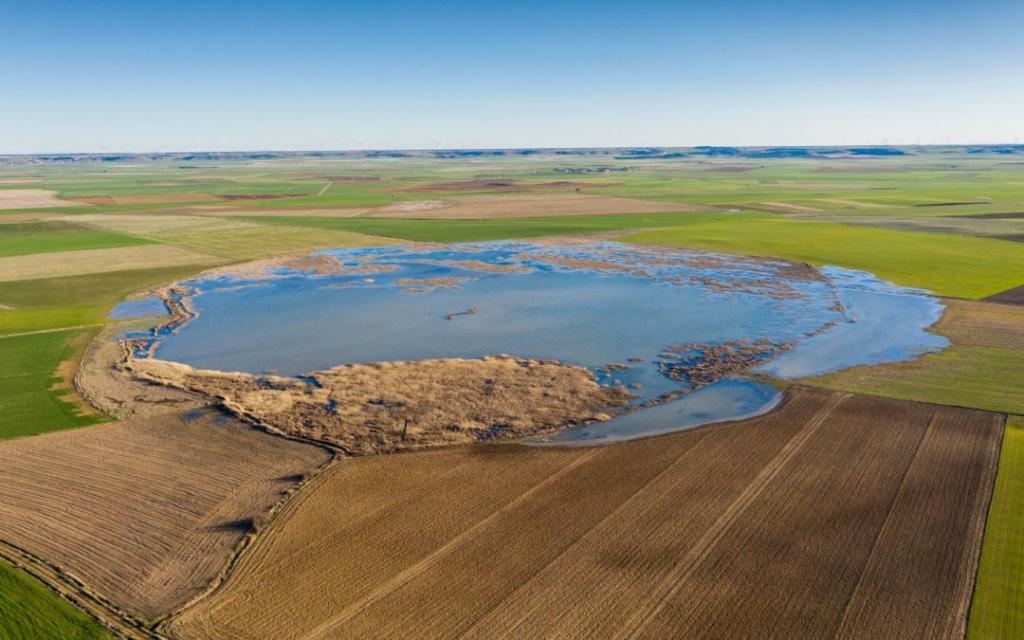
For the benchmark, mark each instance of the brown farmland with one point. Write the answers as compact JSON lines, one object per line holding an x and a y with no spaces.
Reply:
{"x":778,"y":527}
{"x":30,"y":199}
{"x":145,"y":513}
{"x":1013,"y":296}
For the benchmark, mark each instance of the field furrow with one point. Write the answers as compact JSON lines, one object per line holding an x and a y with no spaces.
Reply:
{"x":918,"y":582}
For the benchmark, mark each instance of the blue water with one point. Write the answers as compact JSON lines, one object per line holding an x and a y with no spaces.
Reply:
{"x":144,"y":308}
{"x":625,"y":313}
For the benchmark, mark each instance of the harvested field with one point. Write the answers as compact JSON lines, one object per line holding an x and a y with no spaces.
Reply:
{"x":388,"y":406}
{"x":778,"y":524}
{"x":1013,"y":296}
{"x":145,"y":513}
{"x":73,"y":263}
{"x":533,"y":206}
{"x":30,"y":199}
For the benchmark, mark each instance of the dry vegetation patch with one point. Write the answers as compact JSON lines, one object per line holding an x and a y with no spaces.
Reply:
{"x":387,"y":406}
{"x":145,"y":512}
{"x":834,"y":512}
{"x":30,"y":199}
{"x":73,"y":263}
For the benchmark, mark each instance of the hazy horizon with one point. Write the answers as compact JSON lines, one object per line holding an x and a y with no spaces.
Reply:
{"x":151,"y":77}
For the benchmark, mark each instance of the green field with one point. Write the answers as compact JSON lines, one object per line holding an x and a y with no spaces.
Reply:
{"x":983,"y":368}
{"x":30,"y":611}
{"x":18,"y":239}
{"x":28,"y":403}
{"x":53,"y":303}
{"x":947,"y":265}
{"x":504,"y":229}
{"x":949,"y":220}
{"x":997,"y":609}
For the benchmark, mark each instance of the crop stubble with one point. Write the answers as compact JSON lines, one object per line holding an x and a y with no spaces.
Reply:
{"x":823,"y":517}
{"x":145,"y":512}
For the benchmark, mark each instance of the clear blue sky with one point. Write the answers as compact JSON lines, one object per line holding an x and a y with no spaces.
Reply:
{"x":181,"y":75}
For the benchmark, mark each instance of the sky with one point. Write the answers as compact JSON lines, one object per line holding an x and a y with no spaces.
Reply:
{"x":150,"y":75}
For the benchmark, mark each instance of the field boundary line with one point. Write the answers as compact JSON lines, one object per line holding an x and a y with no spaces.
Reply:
{"x":430,"y":559}
{"x":885,"y":523}
{"x":981,"y":523}
{"x":585,"y":536}
{"x":262,"y":524}
{"x":55,"y":330}
{"x":670,"y":584}
{"x":72,"y":590}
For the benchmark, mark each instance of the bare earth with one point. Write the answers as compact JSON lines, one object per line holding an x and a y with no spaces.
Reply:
{"x":835,"y":516}
{"x":72,"y":263}
{"x":381,"y":407}
{"x":31,"y":199}
{"x":146,"y":512}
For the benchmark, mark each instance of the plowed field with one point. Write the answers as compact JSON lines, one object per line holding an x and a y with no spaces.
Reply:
{"x":145,"y":513}
{"x":833,"y":516}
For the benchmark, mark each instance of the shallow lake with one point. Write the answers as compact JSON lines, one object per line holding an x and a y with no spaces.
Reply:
{"x":593,"y":305}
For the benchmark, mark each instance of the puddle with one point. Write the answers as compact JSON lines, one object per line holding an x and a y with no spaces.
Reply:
{"x":144,"y":308}
{"x":612,"y":308}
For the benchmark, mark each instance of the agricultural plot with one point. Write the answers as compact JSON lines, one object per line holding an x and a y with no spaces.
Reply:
{"x":226,"y":238}
{"x":18,"y":239}
{"x":983,"y":369}
{"x":947,"y":265}
{"x":781,"y":524}
{"x":29,"y":199}
{"x":524,"y":206}
{"x":73,"y":263}
{"x":997,"y":609}
{"x":145,"y":513}
{"x":504,"y":229}
{"x":30,"y":611}
{"x":33,"y":397}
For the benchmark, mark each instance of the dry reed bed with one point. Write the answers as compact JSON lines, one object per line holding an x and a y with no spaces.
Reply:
{"x":826,"y":516}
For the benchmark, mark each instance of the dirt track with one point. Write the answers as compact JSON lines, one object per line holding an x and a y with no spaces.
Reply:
{"x":823,"y":519}
{"x":145,"y":513}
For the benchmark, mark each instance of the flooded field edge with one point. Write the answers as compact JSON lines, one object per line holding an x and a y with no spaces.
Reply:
{"x":718,"y":381}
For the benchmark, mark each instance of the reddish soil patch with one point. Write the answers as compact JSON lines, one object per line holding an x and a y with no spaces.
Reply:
{"x":1012,"y":296}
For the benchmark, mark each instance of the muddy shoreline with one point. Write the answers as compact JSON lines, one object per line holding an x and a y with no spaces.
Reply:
{"x":423,"y":403}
